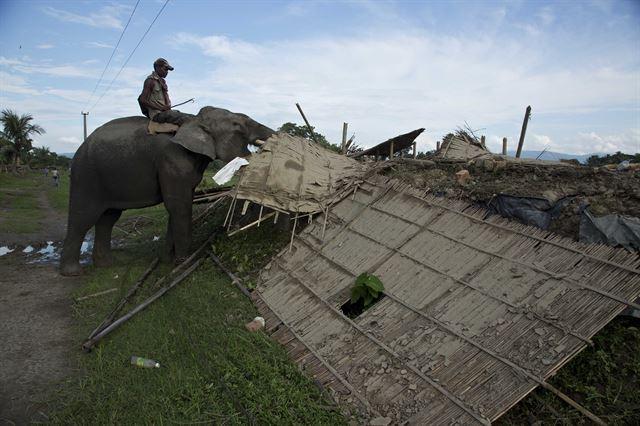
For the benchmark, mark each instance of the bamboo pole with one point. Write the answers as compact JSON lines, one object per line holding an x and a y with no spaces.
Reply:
{"x":100,"y":293}
{"x":293,"y":233}
{"x":527,"y":115}
{"x":307,"y":123}
{"x":256,"y":222}
{"x":92,"y":342}
{"x":344,"y":138}
{"x":99,"y":334}
{"x":109,"y":319}
{"x":234,"y":279}
{"x":210,"y":198}
{"x":415,"y":152}
{"x":208,"y":210}
{"x":260,"y":214}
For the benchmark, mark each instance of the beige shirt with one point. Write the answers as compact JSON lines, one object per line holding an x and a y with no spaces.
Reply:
{"x":157,"y":94}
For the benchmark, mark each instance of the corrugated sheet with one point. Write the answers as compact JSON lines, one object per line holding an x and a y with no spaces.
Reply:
{"x":477,"y":312}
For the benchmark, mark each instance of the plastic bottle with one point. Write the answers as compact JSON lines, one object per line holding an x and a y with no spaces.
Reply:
{"x":144,"y":362}
{"x":255,"y":325}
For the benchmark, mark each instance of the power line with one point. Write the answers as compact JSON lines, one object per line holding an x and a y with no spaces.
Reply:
{"x":112,"y":53}
{"x":132,"y":52}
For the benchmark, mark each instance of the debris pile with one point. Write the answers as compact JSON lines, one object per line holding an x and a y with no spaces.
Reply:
{"x":558,"y":192}
{"x":293,"y":174}
{"x":461,"y":146}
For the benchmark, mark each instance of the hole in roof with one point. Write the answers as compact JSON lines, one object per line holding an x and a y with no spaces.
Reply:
{"x":354,"y":310}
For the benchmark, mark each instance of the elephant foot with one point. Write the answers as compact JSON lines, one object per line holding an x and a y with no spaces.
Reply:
{"x":103,"y":261}
{"x":71,"y":270}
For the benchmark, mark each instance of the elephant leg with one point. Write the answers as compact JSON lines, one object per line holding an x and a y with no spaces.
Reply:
{"x":170,"y":250}
{"x":77,"y":228}
{"x":102,"y":244}
{"x":180,"y":210}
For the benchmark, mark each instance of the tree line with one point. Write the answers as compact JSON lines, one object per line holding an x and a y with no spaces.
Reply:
{"x":16,"y":143}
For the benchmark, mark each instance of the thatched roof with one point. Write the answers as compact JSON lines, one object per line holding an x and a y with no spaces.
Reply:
{"x":477,"y":311}
{"x":293,"y":174}
{"x":399,"y":143}
{"x":461,"y":146}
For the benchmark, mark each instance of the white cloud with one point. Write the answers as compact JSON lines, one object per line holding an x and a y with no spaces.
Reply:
{"x":10,"y":83}
{"x":542,"y":141}
{"x":70,"y":140}
{"x":216,"y":46}
{"x":27,"y":66}
{"x":391,"y":83}
{"x":10,"y":61}
{"x":99,"y":45}
{"x":45,"y":46}
{"x":107,"y":17}
{"x":546,"y":16}
{"x":627,"y":142}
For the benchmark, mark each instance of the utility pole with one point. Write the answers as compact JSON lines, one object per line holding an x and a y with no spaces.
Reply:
{"x":343,"y":147}
{"x":84,"y":119}
{"x":527,"y":116}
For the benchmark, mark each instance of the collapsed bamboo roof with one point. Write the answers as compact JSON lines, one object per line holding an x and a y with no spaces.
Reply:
{"x":293,"y":174}
{"x":477,"y":311}
{"x":398,"y":143}
{"x":461,"y":146}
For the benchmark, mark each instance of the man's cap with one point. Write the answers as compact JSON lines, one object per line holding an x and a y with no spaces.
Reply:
{"x":162,"y":61}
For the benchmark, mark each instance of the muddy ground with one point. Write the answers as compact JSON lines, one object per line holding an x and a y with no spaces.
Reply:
{"x":606,"y":192}
{"x":37,"y":348}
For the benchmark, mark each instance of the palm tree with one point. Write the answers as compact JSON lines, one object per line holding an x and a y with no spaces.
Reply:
{"x":17,"y":131}
{"x":41,"y":156}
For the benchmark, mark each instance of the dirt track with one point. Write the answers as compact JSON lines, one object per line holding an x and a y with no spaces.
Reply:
{"x":37,"y":349}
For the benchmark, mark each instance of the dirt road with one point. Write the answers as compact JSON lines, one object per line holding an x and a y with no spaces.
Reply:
{"x":37,"y":352}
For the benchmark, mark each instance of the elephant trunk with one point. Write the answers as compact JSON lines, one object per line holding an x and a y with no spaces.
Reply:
{"x":261,"y":133}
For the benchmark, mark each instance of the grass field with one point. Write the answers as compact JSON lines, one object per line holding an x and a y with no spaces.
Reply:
{"x":213,"y":371}
{"x":20,"y":204}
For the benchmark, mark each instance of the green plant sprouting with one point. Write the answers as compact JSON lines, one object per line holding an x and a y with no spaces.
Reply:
{"x":368,"y":288}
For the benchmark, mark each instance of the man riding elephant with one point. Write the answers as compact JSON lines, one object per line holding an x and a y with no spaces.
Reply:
{"x":155,"y":103}
{"x":120,"y":166}
{"x":155,"y":93}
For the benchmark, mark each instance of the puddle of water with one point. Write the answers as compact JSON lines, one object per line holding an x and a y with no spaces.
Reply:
{"x":49,"y":249}
{"x":5,"y":250}
{"x":28,"y":249}
{"x":51,"y":253}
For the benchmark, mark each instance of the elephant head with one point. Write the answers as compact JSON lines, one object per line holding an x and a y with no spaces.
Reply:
{"x":222,"y":134}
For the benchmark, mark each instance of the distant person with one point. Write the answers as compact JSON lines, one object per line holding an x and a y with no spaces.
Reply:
{"x":46,"y":171}
{"x":54,"y":175}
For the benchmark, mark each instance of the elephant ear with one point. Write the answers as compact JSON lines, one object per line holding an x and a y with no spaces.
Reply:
{"x":193,"y":137}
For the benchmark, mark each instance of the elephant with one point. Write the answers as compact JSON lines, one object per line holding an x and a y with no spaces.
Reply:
{"x":120,"y":166}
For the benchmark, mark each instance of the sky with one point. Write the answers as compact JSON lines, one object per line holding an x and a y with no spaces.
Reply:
{"x":384,"y":67}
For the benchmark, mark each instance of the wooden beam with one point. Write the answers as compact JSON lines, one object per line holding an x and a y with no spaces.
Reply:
{"x":307,"y":123}
{"x":344,"y":138}
{"x":527,"y":116}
